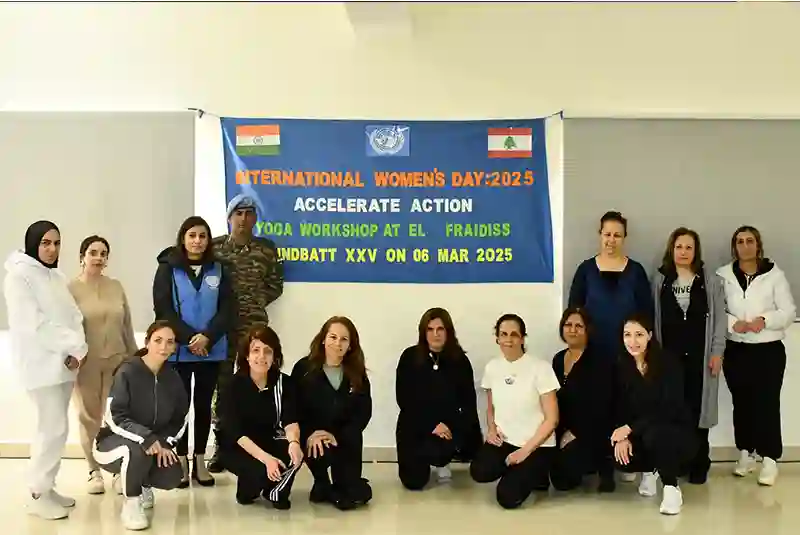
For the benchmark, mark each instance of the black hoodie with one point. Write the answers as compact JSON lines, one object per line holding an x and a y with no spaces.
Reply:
{"x":164,"y":304}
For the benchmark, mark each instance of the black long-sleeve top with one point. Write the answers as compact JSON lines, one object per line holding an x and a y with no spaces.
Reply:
{"x":586,"y":397}
{"x":260,"y":415}
{"x":321,"y":407}
{"x":428,"y":396}
{"x":654,"y":399}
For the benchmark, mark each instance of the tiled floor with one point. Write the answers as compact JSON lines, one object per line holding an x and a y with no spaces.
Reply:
{"x":726,"y":505}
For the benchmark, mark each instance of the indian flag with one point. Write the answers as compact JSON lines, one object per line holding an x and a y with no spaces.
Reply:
{"x":258,"y":140}
{"x":510,"y":142}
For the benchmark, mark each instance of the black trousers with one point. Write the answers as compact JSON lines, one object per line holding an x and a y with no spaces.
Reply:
{"x":338,"y":471}
{"x":205,"y":377}
{"x":578,"y":459}
{"x":119,"y":455}
{"x":666,"y":449}
{"x":224,"y":378}
{"x":416,"y":456}
{"x":754,"y":373}
{"x":694,"y":371}
{"x":517,"y":481}
{"x":251,"y":473}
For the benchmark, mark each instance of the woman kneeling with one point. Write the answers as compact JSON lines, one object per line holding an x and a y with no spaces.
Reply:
{"x":522,"y":415}
{"x":146,"y":419}
{"x":259,"y":423}
{"x":657,"y":437}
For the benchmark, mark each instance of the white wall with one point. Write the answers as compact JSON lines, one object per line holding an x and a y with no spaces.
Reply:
{"x":443,"y":61}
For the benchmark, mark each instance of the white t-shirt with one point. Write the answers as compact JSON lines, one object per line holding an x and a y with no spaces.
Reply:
{"x":683,"y":291}
{"x":516,"y":387}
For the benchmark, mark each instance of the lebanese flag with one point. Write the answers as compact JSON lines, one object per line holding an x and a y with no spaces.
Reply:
{"x":510,"y":142}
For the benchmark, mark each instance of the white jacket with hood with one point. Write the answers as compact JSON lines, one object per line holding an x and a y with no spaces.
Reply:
{"x":766,"y":295}
{"x":44,"y":322}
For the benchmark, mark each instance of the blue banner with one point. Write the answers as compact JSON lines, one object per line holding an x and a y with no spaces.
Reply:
{"x":403,"y":202}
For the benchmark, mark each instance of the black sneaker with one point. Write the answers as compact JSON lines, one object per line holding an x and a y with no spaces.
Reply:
{"x":282,"y":505}
{"x":320,"y":493}
{"x":607,"y":485}
{"x":698,"y":478}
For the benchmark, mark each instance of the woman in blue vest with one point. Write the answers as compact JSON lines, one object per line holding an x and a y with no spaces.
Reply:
{"x":610,"y":286}
{"x":193,"y":292}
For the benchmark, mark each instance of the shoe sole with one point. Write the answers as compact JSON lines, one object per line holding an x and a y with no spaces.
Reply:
{"x":37,"y":515}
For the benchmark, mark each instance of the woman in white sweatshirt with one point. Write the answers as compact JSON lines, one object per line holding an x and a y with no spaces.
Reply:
{"x":760,"y":308}
{"x":47,"y":347}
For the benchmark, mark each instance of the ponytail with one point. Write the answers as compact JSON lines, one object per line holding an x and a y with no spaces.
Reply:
{"x":140,"y":352}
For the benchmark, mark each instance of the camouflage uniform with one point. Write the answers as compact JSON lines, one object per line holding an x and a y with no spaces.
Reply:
{"x":257,"y":276}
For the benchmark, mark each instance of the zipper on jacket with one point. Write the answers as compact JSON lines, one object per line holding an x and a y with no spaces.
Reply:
{"x":155,"y":397}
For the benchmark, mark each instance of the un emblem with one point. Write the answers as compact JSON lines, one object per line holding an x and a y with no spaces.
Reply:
{"x":388,"y":140}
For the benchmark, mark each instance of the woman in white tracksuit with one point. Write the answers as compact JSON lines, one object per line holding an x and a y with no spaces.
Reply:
{"x":47,"y":346}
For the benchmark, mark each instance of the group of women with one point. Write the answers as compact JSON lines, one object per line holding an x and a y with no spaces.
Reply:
{"x":635,"y":390}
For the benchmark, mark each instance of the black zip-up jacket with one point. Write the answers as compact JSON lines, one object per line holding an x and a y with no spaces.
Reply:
{"x":656,"y":399}
{"x":321,"y":407}
{"x":164,"y":304}
{"x":145,"y":407}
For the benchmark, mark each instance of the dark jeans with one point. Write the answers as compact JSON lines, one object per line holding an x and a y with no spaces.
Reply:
{"x":754,"y":373}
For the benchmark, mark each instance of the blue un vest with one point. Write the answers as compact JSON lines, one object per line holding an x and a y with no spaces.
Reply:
{"x":197,"y":308}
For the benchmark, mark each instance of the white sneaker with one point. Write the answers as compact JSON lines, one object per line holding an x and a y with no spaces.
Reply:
{"x":133,"y":517}
{"x":745,"y":464}
{"x":672,"y":501}
{"x":95,"y":484}
{"x":628,"y":477}
{"x":649,"y":485}
{"x":148,"y":498}
{"x":116,"y":484}
{"x":63,"y":501}
{"x":46,"y":507}
{"x":769,"y":472}
{"x":444,"y":474}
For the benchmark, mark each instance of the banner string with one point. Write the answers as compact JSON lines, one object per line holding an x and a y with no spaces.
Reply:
{"x":201,"y":112}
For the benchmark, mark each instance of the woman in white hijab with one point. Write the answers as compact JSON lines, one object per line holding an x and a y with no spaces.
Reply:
{"x":47,"y":346}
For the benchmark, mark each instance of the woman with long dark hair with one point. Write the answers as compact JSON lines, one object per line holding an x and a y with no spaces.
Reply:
{"x":193,"y":292}
{"x":760,"y":308}
{"x":145,"y":419}
{"x":585,"y":407}
{"x":47,"y":347}
{"x":655,"y":433}
{"x":435,"y":390}
{"x":259,"y":422}
{"x":690,"y":323}
{"x":335,"y":407}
